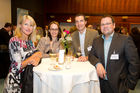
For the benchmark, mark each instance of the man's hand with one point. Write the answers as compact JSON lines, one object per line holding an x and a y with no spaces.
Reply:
{"x":82,"y":58}
{"x":100,"y":70}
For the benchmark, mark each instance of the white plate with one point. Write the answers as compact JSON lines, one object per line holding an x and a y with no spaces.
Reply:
{"x":54,"y":69}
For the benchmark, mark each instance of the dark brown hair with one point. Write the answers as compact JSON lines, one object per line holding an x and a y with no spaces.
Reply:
{"x":81,"y":15}
{"x":104,"y":16}
{"x":59,"y":32}
{"x":8,"y":25}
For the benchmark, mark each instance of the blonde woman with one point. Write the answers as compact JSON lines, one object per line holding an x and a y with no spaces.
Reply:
{"x":22,"y":54}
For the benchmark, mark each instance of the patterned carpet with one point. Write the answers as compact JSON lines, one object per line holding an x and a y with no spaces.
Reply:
{"x":137,"y":89}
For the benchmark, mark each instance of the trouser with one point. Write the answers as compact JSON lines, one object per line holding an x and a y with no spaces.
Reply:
{"x":105,"y":87}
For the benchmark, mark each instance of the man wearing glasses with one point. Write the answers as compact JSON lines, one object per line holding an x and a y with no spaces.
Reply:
{"x":116,"y":59}
{"x":82,"y":38}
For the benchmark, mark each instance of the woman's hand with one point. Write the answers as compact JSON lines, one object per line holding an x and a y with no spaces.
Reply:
{"x":34,"y":59}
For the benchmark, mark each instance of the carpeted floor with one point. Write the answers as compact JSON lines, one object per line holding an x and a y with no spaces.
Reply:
{"x":137,"y":89}
{"x":1,"y":85}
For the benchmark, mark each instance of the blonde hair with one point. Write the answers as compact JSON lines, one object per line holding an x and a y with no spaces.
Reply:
{"x":21,"y":19}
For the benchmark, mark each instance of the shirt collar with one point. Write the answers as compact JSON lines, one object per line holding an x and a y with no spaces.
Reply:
{"x":103,"y":36}
{"x":83,"y":32}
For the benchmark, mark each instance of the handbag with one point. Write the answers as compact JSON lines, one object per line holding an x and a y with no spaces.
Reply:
{"x":27,"y":79}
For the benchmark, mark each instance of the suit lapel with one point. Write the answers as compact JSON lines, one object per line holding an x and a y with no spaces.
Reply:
{"x":86,"y":40}
{"x":101,"y":47}
{"x":112,"y":48}
{"x":77,"y":39}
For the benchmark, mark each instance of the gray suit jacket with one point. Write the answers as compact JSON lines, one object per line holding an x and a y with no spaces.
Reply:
{"x":90,"y":35}
{"x":123,"y":73}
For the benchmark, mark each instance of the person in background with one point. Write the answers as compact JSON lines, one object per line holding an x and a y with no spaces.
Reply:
{"x":46,"y":31}
{"x":13,"y":29}
{"x":4,"y":36}
{"x":115,"y":58}
{"x":98,"y":29}
{"x":51,"y":43}
{"x":82,"y":38}
{"x":22,"y":54}
{"x":124,"y":30}
{"x":4,"y":53}
{"x":135,"y":34}
{"x":39,"y":35}
{"x":90,"y":26}
{"x":118,"y":29}
{"x":72,"y":29}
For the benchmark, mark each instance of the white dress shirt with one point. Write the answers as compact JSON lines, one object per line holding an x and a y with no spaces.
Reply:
{"x":82,"y":41}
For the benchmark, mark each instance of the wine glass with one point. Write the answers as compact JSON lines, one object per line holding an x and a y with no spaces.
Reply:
{"x":52,"y":55}
{"x":68,"y":62}
{"x":78,"y":53}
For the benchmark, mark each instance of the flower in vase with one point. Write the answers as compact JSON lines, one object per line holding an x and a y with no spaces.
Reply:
{"x":66,"y":40}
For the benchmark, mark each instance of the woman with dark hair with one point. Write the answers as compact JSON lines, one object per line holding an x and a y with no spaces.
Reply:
{"x":50,"y":43}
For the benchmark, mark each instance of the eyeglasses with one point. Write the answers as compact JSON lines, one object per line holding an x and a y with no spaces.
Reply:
{"x":106,"y":24}
{"x":54,"y":29}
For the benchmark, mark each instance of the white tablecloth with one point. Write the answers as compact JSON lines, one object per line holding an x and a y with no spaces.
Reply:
{"x":80,"y":78}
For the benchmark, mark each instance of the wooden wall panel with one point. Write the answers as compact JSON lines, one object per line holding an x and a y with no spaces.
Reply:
{"x":64,"y":9}
{"x":118,"y":19}
{"x":122,"y":6}
{"x":97,"y":6}
{"x":93,"y":7}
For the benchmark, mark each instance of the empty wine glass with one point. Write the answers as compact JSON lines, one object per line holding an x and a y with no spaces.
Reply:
{"x":68,"y":62}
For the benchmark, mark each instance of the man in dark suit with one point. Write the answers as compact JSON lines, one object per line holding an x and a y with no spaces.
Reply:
{"x":82,"y":38}
{"x":116,"y":59}
{"x":4,"y":53}
{"x":4,"y":35}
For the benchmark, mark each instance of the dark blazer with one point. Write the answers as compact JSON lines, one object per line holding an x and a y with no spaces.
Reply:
{"x":4,"y":37}
{"x":123,"y":73}
{"x":90,"y":35}
{"x":136,"y":39}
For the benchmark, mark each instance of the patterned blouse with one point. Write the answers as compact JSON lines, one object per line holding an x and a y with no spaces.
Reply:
{"x":19,"y":50}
